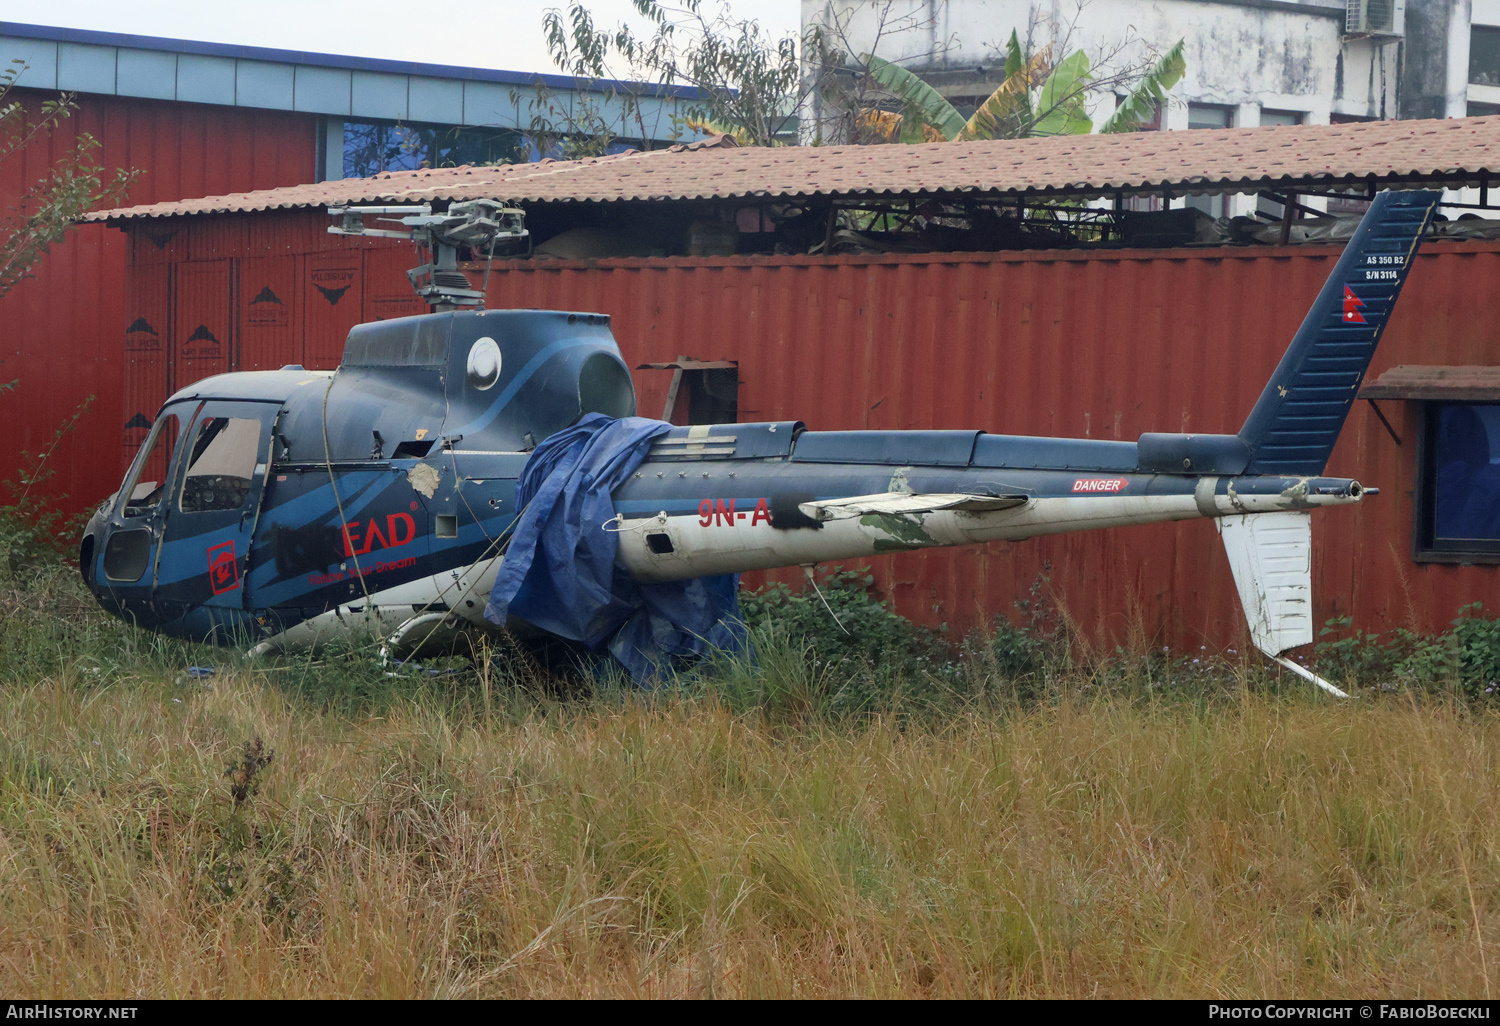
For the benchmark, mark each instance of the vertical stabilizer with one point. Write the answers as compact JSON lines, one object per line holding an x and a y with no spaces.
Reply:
{"x":1271,"y":556}
{"x":1293,"y":427}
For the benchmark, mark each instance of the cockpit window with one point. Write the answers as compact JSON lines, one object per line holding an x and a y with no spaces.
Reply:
{"x":221,"y":466}
{"x":144,"y":490}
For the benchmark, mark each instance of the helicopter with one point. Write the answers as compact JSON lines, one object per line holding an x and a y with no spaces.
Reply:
{"x":287,"y":507}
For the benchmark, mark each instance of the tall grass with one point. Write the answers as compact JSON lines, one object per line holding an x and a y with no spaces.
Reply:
{"x":321,"y":829}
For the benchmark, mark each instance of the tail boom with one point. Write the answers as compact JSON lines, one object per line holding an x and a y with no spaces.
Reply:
{"x":683,"y":538}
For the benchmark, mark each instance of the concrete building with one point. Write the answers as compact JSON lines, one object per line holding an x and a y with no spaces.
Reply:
{"x":1249,"y":62}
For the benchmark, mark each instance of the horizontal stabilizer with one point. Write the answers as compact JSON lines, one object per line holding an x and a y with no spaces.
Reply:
{"x":906,"y":502}
{"x":1271,"y":556}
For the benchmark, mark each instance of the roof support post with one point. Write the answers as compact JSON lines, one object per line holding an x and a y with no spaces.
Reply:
{"x":1381,"y":414}
{"x":672,"y":390}
{"x":1288,"y":211}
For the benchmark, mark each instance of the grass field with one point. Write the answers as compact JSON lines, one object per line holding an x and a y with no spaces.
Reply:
{"x":322,"y":829}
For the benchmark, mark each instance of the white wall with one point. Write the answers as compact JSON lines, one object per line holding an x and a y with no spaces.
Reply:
{"x":1239,"y":56}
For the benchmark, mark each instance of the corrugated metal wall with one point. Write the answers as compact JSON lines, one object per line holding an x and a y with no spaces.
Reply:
{"x":235,"y":293}
{"x":1102,"y":345}
{"x":66,"y":334}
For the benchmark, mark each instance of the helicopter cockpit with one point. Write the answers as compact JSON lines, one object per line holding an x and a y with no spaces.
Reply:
{"x":258,"y":497}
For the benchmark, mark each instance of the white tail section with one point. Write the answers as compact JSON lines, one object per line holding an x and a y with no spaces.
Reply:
{"x":1271,"y":556}
{"x":906,"y":502}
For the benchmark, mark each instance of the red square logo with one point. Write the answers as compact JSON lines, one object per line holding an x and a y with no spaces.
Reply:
{"x":223,"y":571}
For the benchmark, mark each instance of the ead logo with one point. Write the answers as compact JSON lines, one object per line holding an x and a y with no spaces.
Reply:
{"x":223,"y":570}
{"x":361,"y":538}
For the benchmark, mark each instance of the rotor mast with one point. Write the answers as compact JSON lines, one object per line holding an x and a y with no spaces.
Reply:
{"x":479,"y":225}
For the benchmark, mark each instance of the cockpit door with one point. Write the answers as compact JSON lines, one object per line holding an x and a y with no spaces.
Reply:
{"x":132,"y":536}
{"x":220,"y":477}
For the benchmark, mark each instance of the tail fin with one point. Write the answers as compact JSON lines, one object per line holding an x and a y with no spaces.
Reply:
{"x":1297,"y":420}
{"x":1271,"y":556}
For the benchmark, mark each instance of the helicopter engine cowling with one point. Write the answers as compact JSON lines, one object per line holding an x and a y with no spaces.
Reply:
{"x":499,"y":380}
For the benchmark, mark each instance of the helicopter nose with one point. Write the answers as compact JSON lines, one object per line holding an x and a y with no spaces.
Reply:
{"x":86,"y":549}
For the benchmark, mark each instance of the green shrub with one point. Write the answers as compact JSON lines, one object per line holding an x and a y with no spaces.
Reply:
{"x":1465,"y":658}
{"x":33,"y":530}
{"x":848,"y":626}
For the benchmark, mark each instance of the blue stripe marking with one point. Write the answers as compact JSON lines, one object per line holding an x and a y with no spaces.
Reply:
{"x":530,"y":368}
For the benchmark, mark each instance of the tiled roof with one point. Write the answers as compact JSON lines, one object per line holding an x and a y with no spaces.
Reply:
{"x":1413,"y":381}
{"x":1449,"y":152}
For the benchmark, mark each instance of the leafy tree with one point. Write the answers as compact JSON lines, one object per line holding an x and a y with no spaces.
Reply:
{"x":748,"y":83}
{"x":72,"y":186}
{"x":1037,"y":98}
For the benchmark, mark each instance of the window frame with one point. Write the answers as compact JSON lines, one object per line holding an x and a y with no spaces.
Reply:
{"x":1476,"y":32}
{"x":1426,"y":546}
{"x":1300,"y":117}
{"x":190,"y":459}
{"x":185,"y":414}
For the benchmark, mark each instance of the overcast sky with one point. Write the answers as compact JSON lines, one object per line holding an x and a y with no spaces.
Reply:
{"x":504,"y":34}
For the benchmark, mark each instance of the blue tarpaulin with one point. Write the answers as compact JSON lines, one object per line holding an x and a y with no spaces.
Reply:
{"x":559,"y":572}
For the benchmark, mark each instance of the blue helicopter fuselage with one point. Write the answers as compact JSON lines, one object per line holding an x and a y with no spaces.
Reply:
{"x":279,"y":506}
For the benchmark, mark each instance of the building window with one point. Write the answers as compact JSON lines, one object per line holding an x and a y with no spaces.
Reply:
{"x":1151,"y":124}
{"x":1281,"y":117}
{"x":1203,"y":116}
{"x":1458,"y":483}
{"x":1484,"y":55}
{"x":1483,"y":110}
{"x":371,"y":147}
{"x":714,"y":396}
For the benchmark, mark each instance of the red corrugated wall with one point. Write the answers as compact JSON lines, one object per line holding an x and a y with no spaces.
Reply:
{"x":237,"y":293}
{"x":1102,"y":345}
{"x":67,"y":334}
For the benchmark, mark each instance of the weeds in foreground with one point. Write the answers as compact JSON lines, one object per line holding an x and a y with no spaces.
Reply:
{"x":692,"y":844}
{"x":989,"y":818}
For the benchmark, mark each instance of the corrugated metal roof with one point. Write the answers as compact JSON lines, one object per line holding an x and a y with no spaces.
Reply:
{"x":1449,"y":152}
{"x":1412,"y":381}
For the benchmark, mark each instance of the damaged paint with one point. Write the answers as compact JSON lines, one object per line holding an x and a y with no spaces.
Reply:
{"x":903,"y":532}
{"x":1234,"y":498}
{"x":1296,"y":495}
{"x":424,"y":478}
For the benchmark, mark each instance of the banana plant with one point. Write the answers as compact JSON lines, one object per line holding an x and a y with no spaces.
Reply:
{"x":1037,"y":98}
{"x":1140,"y":105}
